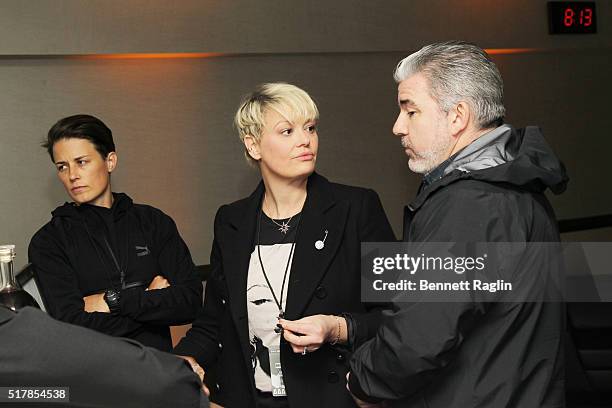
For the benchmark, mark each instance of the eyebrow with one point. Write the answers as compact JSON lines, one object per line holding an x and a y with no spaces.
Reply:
{"x":75,"y":159}
{"x":404,"y":102}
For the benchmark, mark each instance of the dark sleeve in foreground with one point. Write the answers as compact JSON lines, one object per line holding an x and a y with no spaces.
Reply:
{"x":177,"y":304}
{"x":201,"y":342}
{"x":419,"y":340}
{"x":57,"y":282}
{"x":373,"y":227}
{"x":101,"y":371}
{"x":410,"y":348}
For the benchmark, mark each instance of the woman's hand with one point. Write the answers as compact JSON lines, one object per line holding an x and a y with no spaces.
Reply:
{"x":158,"y":282}
{"x":198,"y":370}
{"x":96,"y":303}
{"x":310,"y":333}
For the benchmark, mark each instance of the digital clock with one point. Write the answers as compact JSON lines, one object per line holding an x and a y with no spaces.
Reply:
{"x":572,"y":17}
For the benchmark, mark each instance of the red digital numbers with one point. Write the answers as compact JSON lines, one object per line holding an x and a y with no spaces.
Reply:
{"x":572,"y":17}
{"x":568,"y":17}
{"x":585,"y":17}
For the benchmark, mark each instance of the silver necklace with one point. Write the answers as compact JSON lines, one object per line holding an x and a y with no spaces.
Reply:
{"x":284,"y":225}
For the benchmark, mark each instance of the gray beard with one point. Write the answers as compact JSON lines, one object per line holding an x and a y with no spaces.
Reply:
{"x":429,"y":160}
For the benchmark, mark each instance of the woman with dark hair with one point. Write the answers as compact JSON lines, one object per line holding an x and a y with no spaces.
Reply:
{"x":282,"y":309}
{"x":102,"y":261}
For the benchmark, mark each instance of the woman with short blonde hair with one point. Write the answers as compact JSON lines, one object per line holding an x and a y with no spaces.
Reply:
{"x":282,"y":309}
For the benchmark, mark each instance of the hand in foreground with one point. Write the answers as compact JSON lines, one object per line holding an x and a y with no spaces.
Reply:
{"x":158,"y":282}
{"x":309,"y":333}
{"x":198,"y":370}
{"x":96,"y":303}
{"x":360,"y":403}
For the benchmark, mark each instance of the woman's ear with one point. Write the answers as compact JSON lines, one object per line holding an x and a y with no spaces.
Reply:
{"x":111,"y":161}
{"x":252,"y":147}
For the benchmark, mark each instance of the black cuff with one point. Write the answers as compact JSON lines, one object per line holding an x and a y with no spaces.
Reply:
{"x":350,"y":330}
{"x":356,"y":390}
{"x":131,"y":299}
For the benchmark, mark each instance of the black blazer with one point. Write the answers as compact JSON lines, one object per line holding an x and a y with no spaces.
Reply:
{"x":323,"y":281}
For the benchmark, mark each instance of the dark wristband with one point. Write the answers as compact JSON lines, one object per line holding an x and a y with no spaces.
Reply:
{"x":350,"y":330}
{"x":112,"y":297}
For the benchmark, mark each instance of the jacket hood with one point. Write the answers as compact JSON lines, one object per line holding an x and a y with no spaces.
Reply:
{"x":519,"y":157}
{"x":121,"y":203}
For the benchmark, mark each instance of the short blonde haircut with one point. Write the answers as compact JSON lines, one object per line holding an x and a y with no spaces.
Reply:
{"x":293,"y":103}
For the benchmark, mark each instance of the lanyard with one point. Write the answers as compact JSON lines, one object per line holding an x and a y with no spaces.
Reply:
{"x":278,"y":301}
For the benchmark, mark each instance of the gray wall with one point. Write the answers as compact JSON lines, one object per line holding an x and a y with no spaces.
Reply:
{"x":172,"y":116}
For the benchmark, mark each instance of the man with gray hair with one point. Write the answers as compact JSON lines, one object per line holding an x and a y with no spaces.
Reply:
{"x":483,"y":181}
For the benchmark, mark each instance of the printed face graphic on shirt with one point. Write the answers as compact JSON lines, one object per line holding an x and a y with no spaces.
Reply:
{"x":260,"y":298}
{"x":272,"y":255}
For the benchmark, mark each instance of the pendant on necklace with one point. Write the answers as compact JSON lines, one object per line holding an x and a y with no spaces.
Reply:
{"x":284,"y":227}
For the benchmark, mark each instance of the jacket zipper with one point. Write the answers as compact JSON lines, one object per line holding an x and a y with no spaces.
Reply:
{"x":121,"y":273}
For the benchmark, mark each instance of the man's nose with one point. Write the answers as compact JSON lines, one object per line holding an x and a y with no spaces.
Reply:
{"x":399,"y":127}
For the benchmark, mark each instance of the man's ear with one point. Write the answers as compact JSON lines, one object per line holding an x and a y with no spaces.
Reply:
{"x":111,"y":161}
{"x":459,"y":118}
{"x":252,"y":147}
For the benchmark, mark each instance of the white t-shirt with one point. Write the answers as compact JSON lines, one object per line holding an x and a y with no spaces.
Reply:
{"x":275,"y":248}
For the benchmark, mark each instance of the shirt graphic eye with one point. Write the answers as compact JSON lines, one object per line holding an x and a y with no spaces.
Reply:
{"x":258,"y":302}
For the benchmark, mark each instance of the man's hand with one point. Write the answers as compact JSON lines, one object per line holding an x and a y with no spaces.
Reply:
{"x":96,"y":303}
{"x":198,"y":370}
{"x":360,"y":403}
{"x":158,"y":282}
{"x":363,"y":404}
{"x":310,"y":332}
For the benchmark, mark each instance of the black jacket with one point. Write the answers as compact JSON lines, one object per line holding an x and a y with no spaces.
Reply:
{"x":100,"y":371}
{"x":475,"y":354}
{"x":86,"y":250}
{"x":321,"y":282}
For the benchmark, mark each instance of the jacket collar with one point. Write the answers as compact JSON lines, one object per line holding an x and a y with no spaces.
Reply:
{"x":429,"y":190}
{"x":121,"y":204}
{"x":319,"y":196}
{"x":516,"y":157}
